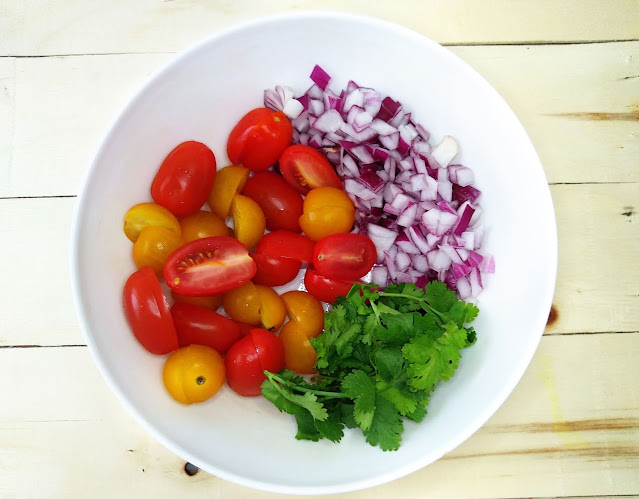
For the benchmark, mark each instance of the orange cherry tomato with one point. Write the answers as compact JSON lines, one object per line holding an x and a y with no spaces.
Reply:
{"x":272,"y":309}
{"x":243,"y":304}
{"x":248,"y":220}
{"x":306,"y":311}
{"x":212,"y":302}
{"x":229,"y":181}
{"x":299,"y":354}
{"x":259,"y":139}
{"x":148,"y":215}
{"x":193,"y":374}
{"x":203,"y":224}
{"x":327,"y":211}
{"x":153,"y":246}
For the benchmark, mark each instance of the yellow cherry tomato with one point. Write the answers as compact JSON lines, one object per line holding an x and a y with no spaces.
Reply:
{"x":327,"y":210}
{"x":228,"y":182}
{"x":153,"y":246}
{"x":193,"y":374}
{"x":306,"y":311}
{"x":299,"y":354}
{"x":212,"y":302}
{"x":203,"y":224}
{"x":243,"y":304}
{"x":272,"y":310}
{"x":148,"y":215}
{"x":248,"y":220}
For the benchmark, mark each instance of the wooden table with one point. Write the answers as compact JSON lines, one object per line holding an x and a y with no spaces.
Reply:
{"x":568,"y":68}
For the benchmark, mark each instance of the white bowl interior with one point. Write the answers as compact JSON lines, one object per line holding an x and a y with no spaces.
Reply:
{"x":200,"y":96}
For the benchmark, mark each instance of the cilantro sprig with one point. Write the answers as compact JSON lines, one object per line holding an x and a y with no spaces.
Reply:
{"x":381,"y":355}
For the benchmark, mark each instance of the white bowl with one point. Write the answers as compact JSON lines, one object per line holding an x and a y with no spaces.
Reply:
{"x":200,"y":96}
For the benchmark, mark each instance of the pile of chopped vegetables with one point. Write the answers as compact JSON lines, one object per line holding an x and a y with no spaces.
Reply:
{"x":418,"y":207}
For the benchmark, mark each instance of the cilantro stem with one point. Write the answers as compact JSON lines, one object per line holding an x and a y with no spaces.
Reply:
{"x":293,"y":386}
{"x":414,"y":298}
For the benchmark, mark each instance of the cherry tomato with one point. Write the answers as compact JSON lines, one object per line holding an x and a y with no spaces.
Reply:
{"x":185,"y":178}
{"x":344,"y":256}
{"x":326,"y":289}
{"x":247,"y":360}
{"x":245,"y":328}
{"x":196,"y":325}
{"x":306,"y":311}
{"x":243,"y":304}
{"x":153,"y":246}
{"x":259,"y":139}
{"x":212,"y":302}
{"x":148,"y":215}
{"x":193,"y":374}
{"x":229,"y":181}
{"x":275,"y":271}
{"x":272,"y":308}
{"x":248,"y":220}
{"x":286,"y":244}
{"x":208,"y":266}
{"x":306,"y":168}
{"x":281,"y":204}
{"x":299,"y":354}
{"x":147,"y":312}
{"x":327,"y":211}
{"x":203,"y":224}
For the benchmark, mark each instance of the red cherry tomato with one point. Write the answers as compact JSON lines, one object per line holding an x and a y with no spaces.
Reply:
{"x":344,"y":256}
{"x":326,"y":289}
{"x":259,"y":139}
{"x":281,"y":204}
{"x":306,"y":168}
{"x":245,"y":328}
{"x":147,"y":311}
{"x":247,"y":360}
{"x":208,"y":266}
{"x":185,"y":178}
{"x":198,"y":325}
{"x":286,"y":244}
{"x":275,"y":271}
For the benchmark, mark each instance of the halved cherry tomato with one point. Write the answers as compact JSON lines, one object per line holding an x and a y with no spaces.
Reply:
{"x":228,"y":182}
{"x":213,"y":302}
{"x":247,"y":360}
{"x":148,"y":215}
{"x":306,"y":311}
{"x":243,"y":304}
{"x":196,"y":325}
{"x":299,"y":354}
{"x":326,"y":289}
{"x":327,"y":211}
{"x":259,"y":139}
{"x":248,"y":220}
{"x":193,"y":374}
{"x":306,"y":168}
{"x":245,"y":328}
{"x":286,"y":244}
{"x":147,"y":312}
{"x":275,"y":271}
{"x":153,"y":246}
{"x":344,"y":256}
{"x":185,"y":178}
{"x":272,"y":309}
{"x":208,"y":266}
{"x":203,"y":224}
{"x":281,"y":204}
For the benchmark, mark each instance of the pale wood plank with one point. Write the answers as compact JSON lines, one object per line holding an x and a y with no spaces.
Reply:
{"x":569,"y":428}
{"x":596,"y":286}
{"x":33,"y":27}
{"x":7,"y":117}
{"x":84,"y":94}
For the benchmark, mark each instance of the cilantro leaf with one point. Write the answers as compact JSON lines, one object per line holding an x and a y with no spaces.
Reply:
{"x":439,"y":296}
{"x":386,"y":426}
{"x":306,"y":427}
{"x":331,"y":428}
{"x":360,"y":387}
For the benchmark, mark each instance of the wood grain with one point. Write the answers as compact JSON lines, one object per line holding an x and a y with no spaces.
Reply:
{"x":125,"y":26}
{"x":564,"y":419}
{"x":84,"y":94}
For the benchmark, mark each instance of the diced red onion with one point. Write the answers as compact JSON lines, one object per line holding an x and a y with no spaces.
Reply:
{"x":444,"y":153}
{"x":320,"y":77}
